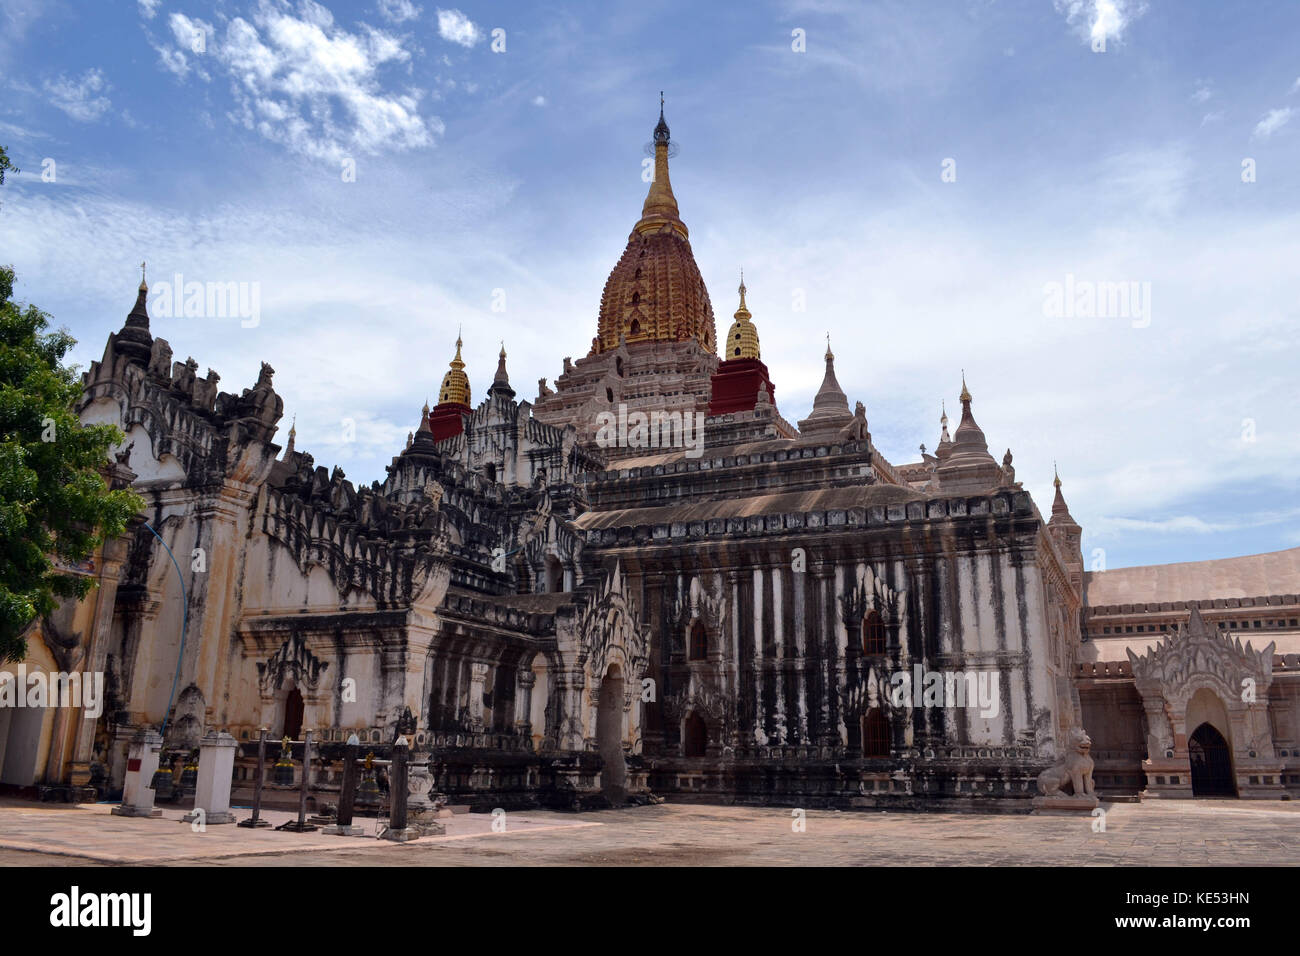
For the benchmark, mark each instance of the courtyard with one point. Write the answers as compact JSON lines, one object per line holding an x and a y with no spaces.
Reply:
{"x":1157,"y":833}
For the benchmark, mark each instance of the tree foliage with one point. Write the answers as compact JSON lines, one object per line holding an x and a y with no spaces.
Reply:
{"x":55,"y":505}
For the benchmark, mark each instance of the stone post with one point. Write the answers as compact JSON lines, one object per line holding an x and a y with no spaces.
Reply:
{"x":141,"y":762}
{"x":348,"y":792}
{"x":398,"y":785}
{"x":256,"y":819}
{"x":216,"y":770}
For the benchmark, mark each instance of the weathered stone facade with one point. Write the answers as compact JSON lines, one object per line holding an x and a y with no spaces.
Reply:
{"x":784,"y":617}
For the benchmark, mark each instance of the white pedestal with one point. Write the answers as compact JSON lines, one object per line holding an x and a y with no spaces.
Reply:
{"x":141,"y":762}
{"x":216,"y":770}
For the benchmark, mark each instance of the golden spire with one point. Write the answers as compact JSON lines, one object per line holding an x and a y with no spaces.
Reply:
{"x":660,"y":207}
{"x":455,"y":384}
{"x":742,"y":337}
{"x":742,"y":310}
{"x":144,"y":287}
{"x":829,"y":354}
{"x":1056,"y":479}
{"x":965,"y":392}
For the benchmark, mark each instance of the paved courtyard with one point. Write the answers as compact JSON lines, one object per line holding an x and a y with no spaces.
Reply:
{"x":1186,"y":833}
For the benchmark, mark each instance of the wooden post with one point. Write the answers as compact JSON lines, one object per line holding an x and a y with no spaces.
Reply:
{"x":397,"y":785}
{"x":397,"y":791}
{"x":301,"y":825}
{"x":348,"y":794}
{"x":256,"y":819}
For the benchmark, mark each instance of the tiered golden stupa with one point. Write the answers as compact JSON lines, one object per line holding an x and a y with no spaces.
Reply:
{"x":448,"y":417}
{"x":455,"y":384}
{"x":742,"y":337}
{"x":656,"y":292}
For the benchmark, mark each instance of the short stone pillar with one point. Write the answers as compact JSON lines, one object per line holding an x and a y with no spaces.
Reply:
{"x":141,"y":762}
{"x":421,"y":809}
{"x":216,"y":770}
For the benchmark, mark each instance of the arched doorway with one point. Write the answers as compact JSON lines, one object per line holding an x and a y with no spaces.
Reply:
{"x":875,"y":734}
{"x":609,"y":737}
{"x":1211,"y":763}
{"x":696,"y":736}
{"x":293,"y":710}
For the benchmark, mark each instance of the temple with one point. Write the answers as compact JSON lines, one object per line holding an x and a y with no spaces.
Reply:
{"x":758,"y":611}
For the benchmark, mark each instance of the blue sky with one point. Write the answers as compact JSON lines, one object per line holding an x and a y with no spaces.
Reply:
{"x":819,"y":171}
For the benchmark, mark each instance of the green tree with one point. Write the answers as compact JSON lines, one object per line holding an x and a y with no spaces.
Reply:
{"x":6,"y":165}
{"x":55,"y":505}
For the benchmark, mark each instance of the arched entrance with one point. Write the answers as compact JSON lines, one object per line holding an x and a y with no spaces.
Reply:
{"x":293,"y":711}
{"x":609,"y":737}
{"x":1211,"y":763}
{"x":695,"y":735}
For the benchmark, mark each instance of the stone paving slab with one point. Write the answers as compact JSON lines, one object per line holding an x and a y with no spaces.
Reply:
{"x":1185,"y":833}
{"x":91,"y":832}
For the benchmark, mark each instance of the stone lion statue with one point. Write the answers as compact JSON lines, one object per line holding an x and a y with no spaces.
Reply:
{"x":1074,"y":769}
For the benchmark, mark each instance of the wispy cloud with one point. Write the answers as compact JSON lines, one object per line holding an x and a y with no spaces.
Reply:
{"x":1273,"y":121}
{"x":398,"y":11}
{"x":455,"y":27}
{"x":83,"y":99}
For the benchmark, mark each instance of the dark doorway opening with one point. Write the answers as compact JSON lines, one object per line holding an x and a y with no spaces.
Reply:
{"x":1211,"y":764}
{"x":609,"y":737}
{"x":875,"y":734}
{"x":697,"y":736}
{"x":293,"y":708}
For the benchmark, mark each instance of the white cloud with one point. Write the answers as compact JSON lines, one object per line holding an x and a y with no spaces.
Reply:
{"x":1100,"y":21}
{"x":539,"y":101}
{"x":398,"y":11}
{"x":458,"y":28}
{"x":1203,"y":92}
{"x":1109,"y":526}
{"x":194,"y":37}
{"x":301,"y":80}
{"x":81,"y":99}
{"x":1273,"y":121}
{"x":148,"y":8}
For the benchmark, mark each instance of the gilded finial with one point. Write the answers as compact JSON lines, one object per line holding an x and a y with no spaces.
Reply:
{"x":1056,"y":475}
{"x":742,"y":337}
{"x":742,"y":313}
{"x":965,"y":392}
{"x":144,"y":287}
{"x":829,"y":354}
{"x":661,"y":130}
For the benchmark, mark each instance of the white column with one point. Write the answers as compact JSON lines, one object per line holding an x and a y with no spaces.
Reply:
{"x":141,"y":762}
{"x":216,"y":770}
